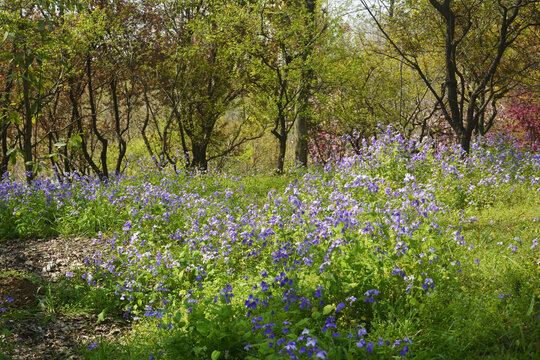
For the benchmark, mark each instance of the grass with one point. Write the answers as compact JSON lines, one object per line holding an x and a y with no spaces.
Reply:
{"x":469,"y":319}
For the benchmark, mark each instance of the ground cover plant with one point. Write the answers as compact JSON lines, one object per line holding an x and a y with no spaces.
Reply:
{"x":405,"y":250}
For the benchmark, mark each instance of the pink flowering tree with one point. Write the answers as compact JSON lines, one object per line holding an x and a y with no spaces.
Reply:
{"x":326,"y":145}
{"x":523,"y":113}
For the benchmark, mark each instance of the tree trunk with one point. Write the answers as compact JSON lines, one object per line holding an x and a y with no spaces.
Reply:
{"x":199,"y":160}
{"x":451,"y":84}
{"x":27,"y":135}
{"x":281,"y":133}
{"x":185,"y":150}
{"x":5,"y":158}
{"x":281,"y":154}
{"x":4,"y":161}
{"x":301,"y":125}
{"x":67,"y":163}
{"x":301,"y":141}
{"x":145,"y":125}
{"x":122,"y":145}
{"x":75,"y":116}
{"x":465,"y":142}
{"x":104,"y":142}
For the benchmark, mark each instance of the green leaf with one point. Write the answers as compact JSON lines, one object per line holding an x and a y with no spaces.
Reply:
{"x":264,"y":348}
{"x":531,"y":307}
{"x":316,"y":315}
{"x":338,"y":229}
{"x":101,"y":316}
{"x":199,"y":349}
{"x":29,"y":60}
{"x":203,"y":327}
{"x":14,"y":118}
{"x":10,"y":151}
{"x":75,"y":140}
{"x":19,"y":57}
{"x":328,"y":309}
{"x":178,"y":318}
{"x":41,"y":26}
{"x":216,"y":354}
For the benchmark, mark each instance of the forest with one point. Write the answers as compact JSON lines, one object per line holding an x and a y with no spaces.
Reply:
{"x":88,"y":87}
{"x":269,"y":179}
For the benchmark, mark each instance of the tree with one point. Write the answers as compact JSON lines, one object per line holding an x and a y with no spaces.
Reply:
{"x":29,"y":28}
{"x":282,"y":39}
{"x":306,"y":78}
{"x":106,"y":56}
{"x":202,"y":73}
{"x":474,"y":39}
{"x":524,"y":109}
{"x":359,"y":89}
{"x":7,"y":115}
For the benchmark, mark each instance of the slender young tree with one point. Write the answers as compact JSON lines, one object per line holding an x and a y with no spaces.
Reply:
{"x":307,"y":75}
{"x":202,"y":72}
{"x":281,"y":42}
{"x":29,"y":35}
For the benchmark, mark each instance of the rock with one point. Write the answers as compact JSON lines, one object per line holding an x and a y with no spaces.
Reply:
{"x":48,"y":268}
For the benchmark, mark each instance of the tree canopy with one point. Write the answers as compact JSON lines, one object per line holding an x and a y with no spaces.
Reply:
{"x":84,"y":84}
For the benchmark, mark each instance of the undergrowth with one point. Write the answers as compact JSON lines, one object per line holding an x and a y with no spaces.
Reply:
{"x":404,"y":251}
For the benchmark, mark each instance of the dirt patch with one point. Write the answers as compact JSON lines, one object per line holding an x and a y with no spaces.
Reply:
{"x":27,"y":332}
{"x":56,"y":338}
{"x":49,"y":258}
{"x":21,"y":292}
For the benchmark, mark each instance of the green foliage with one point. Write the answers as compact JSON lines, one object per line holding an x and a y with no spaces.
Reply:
{"x":208,"y":332}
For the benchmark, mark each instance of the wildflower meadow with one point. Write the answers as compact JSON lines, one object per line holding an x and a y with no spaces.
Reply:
{"x":406,"y":250}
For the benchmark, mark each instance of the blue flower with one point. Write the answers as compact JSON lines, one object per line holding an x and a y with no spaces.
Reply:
{"x":311,"y":341}
{"x":369,"y":348}
{"x":127,"y":226}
